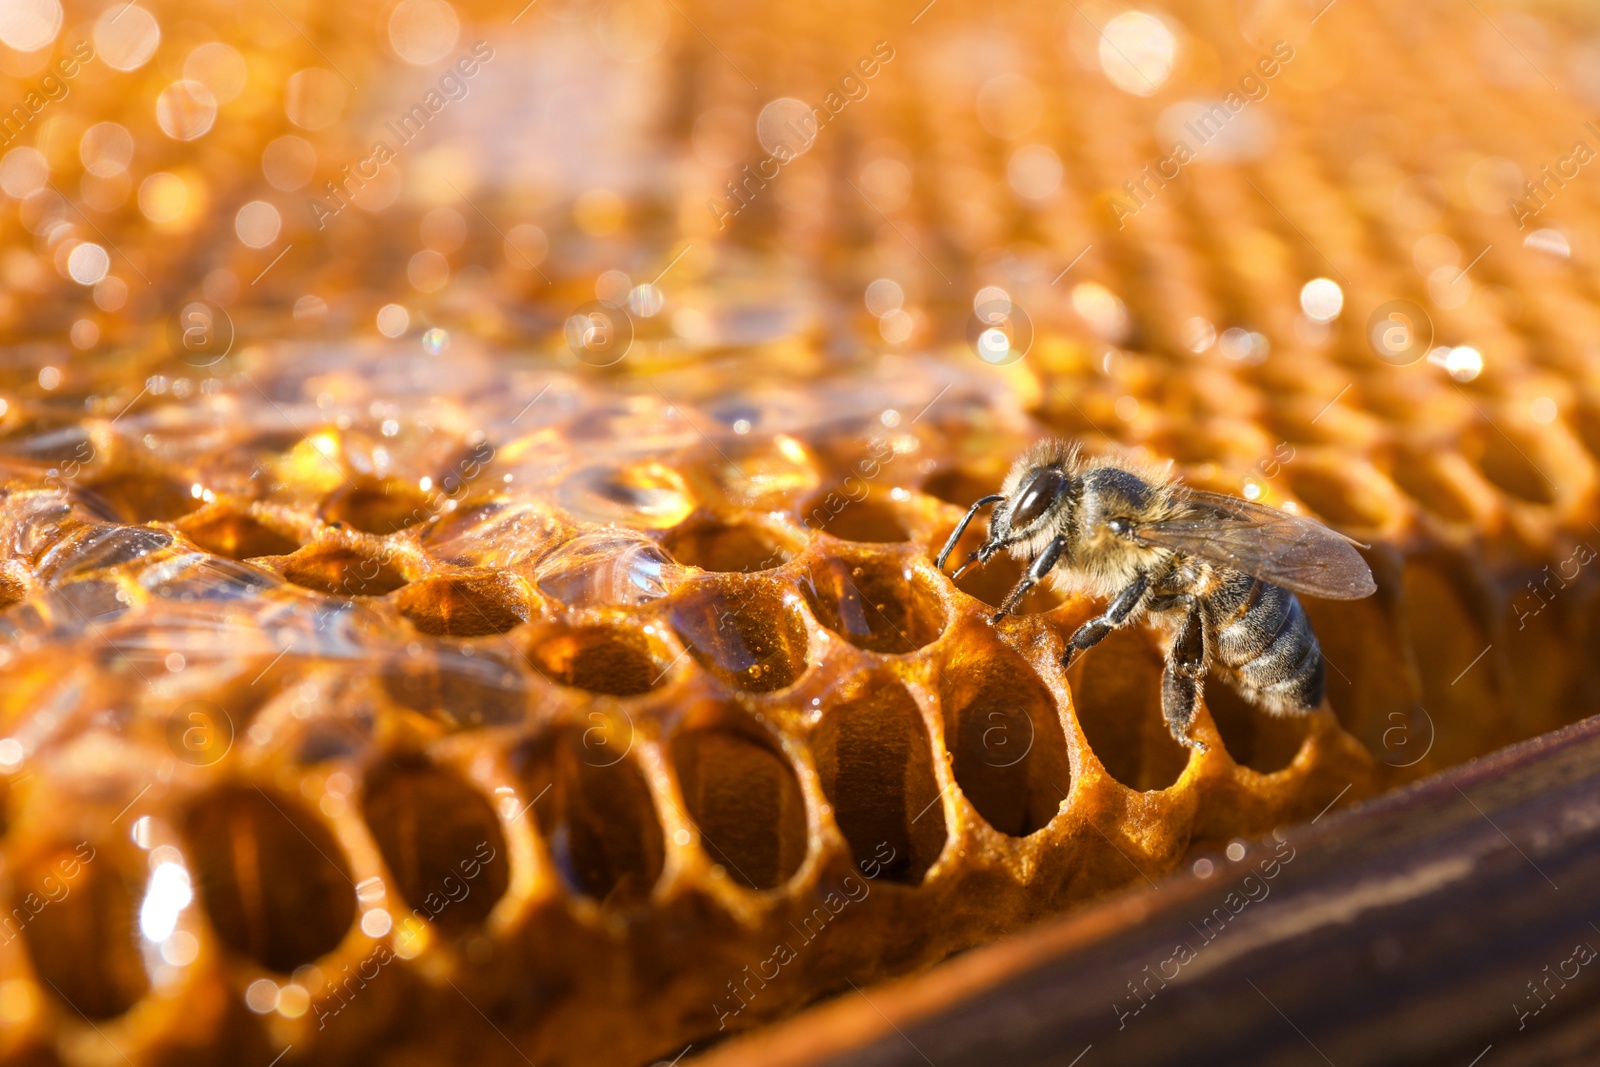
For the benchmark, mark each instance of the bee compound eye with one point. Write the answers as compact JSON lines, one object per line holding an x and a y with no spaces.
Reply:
{"x":1036,"y":496}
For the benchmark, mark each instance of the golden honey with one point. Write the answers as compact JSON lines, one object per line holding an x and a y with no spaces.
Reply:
{"x":469,"y":478}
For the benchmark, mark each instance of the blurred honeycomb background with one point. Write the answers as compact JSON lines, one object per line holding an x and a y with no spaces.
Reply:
{"x":470,"y":472}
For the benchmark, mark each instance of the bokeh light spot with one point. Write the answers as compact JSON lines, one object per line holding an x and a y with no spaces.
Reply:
{"x":185,"y":110}
{"x":288,"y":162}
{"x":88,"y":263}
{"x":1034,"y":172}
{"x":106,"y":149}
{"x":1321,"y":299}
{"x":1137,"y":52}
{"x":29,"y":25}
{"x":393,"y":320}
{"x":423,"y":31}
{"x":220,"y":68}
{"x":125,"y":36}
{"x":163,"y":197}
{"x":257,"y":224}
{"x":884,"y":295}
{"x":526,"y":246}
{"x":23,"y":171}
{"x":428,"y":271}
{"x":313,"y":98}
{"x":786,"y":128}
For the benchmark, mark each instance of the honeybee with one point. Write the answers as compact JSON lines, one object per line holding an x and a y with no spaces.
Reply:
{"x":1221,"y":573}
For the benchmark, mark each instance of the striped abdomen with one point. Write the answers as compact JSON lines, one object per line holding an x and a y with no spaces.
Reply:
{"x":1264,"y":640}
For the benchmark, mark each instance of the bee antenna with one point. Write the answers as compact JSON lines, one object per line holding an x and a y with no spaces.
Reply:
{"x":961,"y":528}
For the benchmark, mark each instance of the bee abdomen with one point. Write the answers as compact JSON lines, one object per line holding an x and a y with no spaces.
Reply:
{"x":1266,"y":642}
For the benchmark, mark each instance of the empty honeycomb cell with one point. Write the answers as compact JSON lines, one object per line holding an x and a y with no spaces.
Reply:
{"x":138,"y":497}
{"x":713,"y":545}
{"x":997,"y":578}
{"x":1256,"y":739}
{"x":961,"y":486}
{"x":1342,"y":494}
{"x":492,"y":533}
{"x":1572,"y":681}
{"x":1294,"y":425}
{"x":467,"y":606}
{"x":1444,"y":484}
{"x":1511,"y":462}
{"x":271,"y":876}
{"x":631,"y":417}
{"x":1371,"y":676}
{"x":377,"y":507}
{"x":76,"y":914}
{"x":744,"y":631}
{"x":1004,"y":734}
{"x":1399,"y":399}
{"x":991,"y":582}
{"x":1116,"y":694}
{"x":462,"y":524}
{"x":1062,"y":418}
{"x":236,"y":535}
{"x":760,"y":472}
{"x":881,"y":606}
{"x":644,"y":495}
{"x":1214,"y":439}
{"x":876,"y":768}
{"x":337,"y":568}
{"x":1448,"y":636}
{"x":596,"y":816}
{"x":440,"y":840}
{"x":746,"y":802}
{"x":478,"y":690}
{"x":1585,"y":423}
{"x":1319,"y":422}
{"x":617,"y":660}
{"x":866,"y":518}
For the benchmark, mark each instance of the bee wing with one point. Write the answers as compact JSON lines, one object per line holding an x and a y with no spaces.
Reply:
{"x":1297,"y":553}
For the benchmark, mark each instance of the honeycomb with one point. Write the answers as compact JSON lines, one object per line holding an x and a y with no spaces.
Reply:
{"x":400,"y":663}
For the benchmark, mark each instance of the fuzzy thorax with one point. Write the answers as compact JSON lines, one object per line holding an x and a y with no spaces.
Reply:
{"x":1097,"y":562}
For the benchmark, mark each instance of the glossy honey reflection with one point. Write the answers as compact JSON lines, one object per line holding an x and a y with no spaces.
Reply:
{"x":301,"y":431}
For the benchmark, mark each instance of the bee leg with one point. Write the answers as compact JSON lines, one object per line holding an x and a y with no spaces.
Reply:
{"x":1117,"y":612}
{"x":965,"y":563}
{"x":1181,"y":681}
{"x":961,"y":528}
{"x":1041,"y":566}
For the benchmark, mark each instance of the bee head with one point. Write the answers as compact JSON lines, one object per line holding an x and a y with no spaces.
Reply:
{"x":1038,"y":495}
{"x":1030,"y":505}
